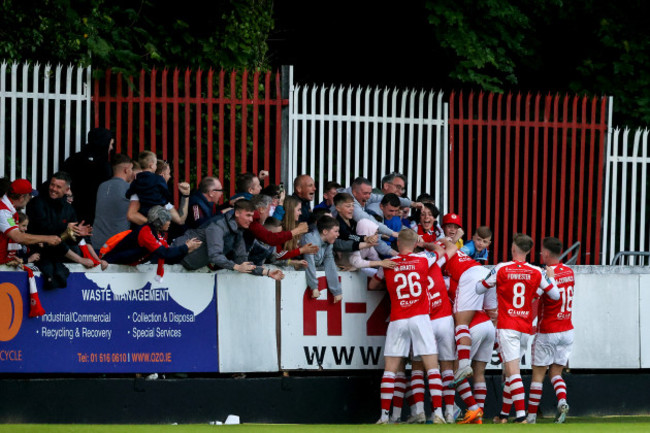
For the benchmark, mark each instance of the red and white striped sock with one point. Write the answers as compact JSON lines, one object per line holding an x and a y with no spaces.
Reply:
{"x":518,"y":395}
{"x":35,"y":307}
{"x":480,"y":393}
{"x":448,"y":394}
{"x":560,"y":387}
{"x":387,"y":388}
{"x":85,"y":252}
{"x":417,"y":387}
{"x":506,"y":404}
{"x":408,"y":395}
{"x":398,"y":394}
{"x":534,"y":397}
{"x":435,"y":388}
{"x":463,"y":347}
{"x":465,"y":392}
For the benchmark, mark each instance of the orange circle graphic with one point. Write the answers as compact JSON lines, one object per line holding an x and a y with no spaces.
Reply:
{"x":11,"y":311}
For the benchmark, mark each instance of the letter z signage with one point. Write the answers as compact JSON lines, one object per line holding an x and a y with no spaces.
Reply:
{"x":318,"y":334}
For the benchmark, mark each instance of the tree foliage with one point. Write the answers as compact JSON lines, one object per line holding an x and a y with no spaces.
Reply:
{"x":583,"y":46}
{"x":125,"y":35}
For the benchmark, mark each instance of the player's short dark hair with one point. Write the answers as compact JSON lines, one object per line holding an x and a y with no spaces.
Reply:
{"x":484,"y":231}
{"x":432,"y":208}
{"x":523,"y":242}
{"x":244,"y":205}
{"x":342,"y":197}
{"x":326,"y":223}
{"x":244,"y":181}
{"x":272,"y":222}
{"x":553,"y":245}
{"x":391,"y":199}
{"x":331,"y":185}
{"x":120,"y":158}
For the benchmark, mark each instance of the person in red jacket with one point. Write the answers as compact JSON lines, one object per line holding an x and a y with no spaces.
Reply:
{"x":257,"y":230}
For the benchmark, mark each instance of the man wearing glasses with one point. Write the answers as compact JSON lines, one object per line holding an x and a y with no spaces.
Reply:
{"x":204,"y":202}
{"x":393,"y":183}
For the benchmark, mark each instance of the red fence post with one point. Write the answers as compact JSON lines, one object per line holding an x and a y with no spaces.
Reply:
{"x":244,"y":122}
{"x":199,"y":129}
{"x":278,"y":127}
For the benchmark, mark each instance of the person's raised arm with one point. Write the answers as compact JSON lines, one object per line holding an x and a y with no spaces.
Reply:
{"x":133,"y":214}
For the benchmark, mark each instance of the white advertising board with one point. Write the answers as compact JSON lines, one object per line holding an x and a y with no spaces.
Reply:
{"x":606,"y":321}
{"x":644,"y":308}
{"x":246,"y":323}
{"x":318,"y":334}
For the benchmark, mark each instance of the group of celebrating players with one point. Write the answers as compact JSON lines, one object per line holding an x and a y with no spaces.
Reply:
{"x":448,"y":313}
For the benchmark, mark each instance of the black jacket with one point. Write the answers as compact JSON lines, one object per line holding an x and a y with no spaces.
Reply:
{"x":88,"y":168}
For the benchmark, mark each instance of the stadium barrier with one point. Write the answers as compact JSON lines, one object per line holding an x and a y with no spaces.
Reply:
{"x":123,"y":320}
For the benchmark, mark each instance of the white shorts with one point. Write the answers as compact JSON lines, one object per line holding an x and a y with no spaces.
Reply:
{"x":483,"y":336}
{"x":512,"y":344}
{"x":466,"y":297}
{"x":443,"y":330}
{"x":552,"y":348}
{"x":416,"y":330}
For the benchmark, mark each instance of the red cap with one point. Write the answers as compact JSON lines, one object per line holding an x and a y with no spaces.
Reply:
{"x":22,"y":186}
{"x":452,"y":218}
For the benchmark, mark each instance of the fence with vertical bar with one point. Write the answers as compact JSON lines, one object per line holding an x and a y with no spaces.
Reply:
{"x":206,"y":123}
{"x":45,"y":116}
{"x":340,"y":133}
{"x":627,"y":198}
{"x":529,"y":163}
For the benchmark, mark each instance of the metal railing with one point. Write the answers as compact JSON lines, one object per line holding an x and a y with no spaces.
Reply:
{"x":630,"y":254}
{"x":575,"y":256}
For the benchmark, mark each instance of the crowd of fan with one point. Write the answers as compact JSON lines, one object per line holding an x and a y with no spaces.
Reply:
{"x":122,"y":213}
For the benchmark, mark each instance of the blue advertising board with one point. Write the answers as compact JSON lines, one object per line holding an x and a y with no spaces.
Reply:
{"x":110,"y":322}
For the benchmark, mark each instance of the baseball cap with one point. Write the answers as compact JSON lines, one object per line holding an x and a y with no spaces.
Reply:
{"x":452,"y":218}
{"x":22,"y":186}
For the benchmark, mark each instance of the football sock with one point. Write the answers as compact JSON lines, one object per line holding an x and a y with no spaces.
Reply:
{"x":465,"y":392}
{"x":518,"y":395}
{"x":560,"y":387}
{"x":463,"y":345}
{"x":480,"y":393}
{"x":534,"y":397}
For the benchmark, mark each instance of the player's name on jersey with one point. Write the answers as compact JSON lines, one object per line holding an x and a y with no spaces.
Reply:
{"x":563,"y":280}
{"x":519,"y":276}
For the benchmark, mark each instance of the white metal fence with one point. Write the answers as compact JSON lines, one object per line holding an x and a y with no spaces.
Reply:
{"x":339,"y":133}
{"x":627,"y":201}
{"x":43,"y":112}
{"x":335,"y":133}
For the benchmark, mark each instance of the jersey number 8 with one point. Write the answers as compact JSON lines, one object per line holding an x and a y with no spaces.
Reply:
{"x":519,"y":295}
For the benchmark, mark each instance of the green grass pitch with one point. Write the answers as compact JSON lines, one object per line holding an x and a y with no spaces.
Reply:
{"x":580,"y":425}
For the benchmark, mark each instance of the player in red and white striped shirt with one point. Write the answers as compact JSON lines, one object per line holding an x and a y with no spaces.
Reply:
{"x":409,"y":320}
{"x":517,"y":283}
{"x":554,"y":339}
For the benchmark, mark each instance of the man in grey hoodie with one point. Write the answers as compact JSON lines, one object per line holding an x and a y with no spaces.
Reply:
{"x":223,"y":243}
{"x":324,"y":236}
